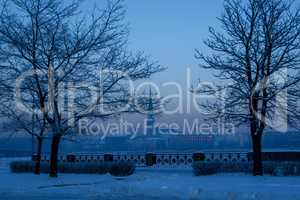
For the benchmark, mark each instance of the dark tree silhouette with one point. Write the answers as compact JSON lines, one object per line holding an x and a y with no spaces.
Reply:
{"x":78,"y":65}
{"x":257,"y":56}
{"x":32,"y":123}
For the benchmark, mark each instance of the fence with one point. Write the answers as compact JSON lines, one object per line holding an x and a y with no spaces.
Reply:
{"x":161,"y":159}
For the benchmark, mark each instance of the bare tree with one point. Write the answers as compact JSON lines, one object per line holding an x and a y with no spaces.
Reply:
{"x":256,"y":55}
{"x":78,"y":66}
{"x":30,"y":123}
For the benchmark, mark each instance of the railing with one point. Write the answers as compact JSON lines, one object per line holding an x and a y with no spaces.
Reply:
{"x":226,"y":157}
{"x":161,"y":159}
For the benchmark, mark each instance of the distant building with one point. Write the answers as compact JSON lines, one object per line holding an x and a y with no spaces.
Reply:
{"x":150,"y":105}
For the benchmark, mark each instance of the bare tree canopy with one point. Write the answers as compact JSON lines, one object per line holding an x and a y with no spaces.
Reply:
{"x":65,"y":66}
{"x":257,"y":56}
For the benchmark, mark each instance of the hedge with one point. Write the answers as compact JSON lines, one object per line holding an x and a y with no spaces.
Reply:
{"x":122,"y":169}
{"x":270,"y":168}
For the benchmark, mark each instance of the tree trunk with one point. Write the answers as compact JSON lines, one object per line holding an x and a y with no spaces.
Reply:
{"x":257,"y":155}
{"x":54,"y":156}
{"x":37,"y":169}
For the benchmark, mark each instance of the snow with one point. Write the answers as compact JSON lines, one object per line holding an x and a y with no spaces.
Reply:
{"x":146,"y":184}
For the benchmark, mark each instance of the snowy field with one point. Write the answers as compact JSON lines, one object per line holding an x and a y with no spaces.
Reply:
{"x":146,"y":184}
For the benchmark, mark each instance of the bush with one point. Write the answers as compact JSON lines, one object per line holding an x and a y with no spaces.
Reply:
{"x":122,"y":169}
{"x":202,"y":168}
{"x":22,"y":166}
{"x":282,"y":168}
{"x":75,"y":168}
{"x":270,"y":168}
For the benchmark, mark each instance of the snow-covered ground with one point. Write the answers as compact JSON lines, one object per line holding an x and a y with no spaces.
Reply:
{"x":146,"y":184}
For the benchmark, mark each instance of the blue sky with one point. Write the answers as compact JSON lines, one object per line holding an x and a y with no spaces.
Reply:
{"x":170,"y":30}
